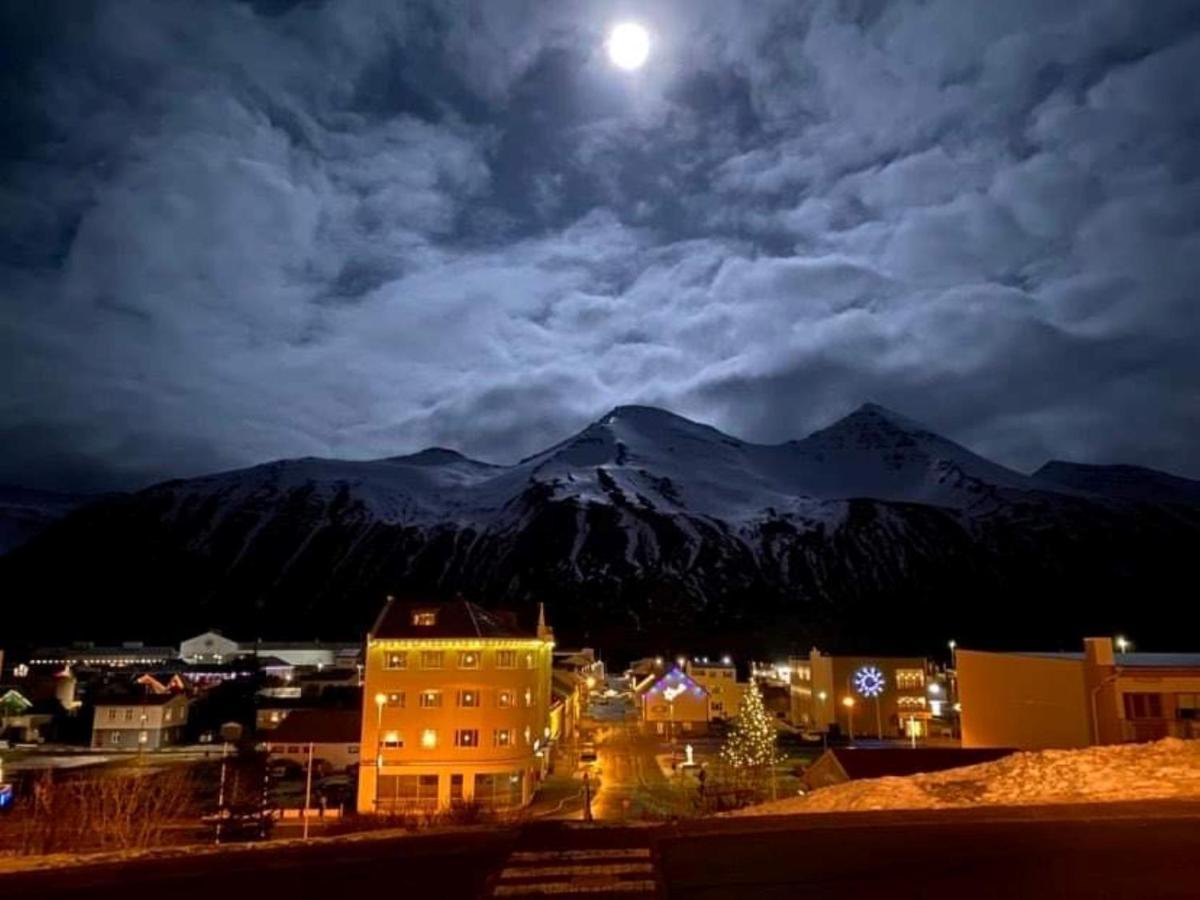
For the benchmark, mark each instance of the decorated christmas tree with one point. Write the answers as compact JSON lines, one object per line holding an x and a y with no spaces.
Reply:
{"x":750,"y":747}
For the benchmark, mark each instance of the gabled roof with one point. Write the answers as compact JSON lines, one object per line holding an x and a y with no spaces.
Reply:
{"x":318,"y":726}
{"x":454,"y":619}
{"x":677,"y":680}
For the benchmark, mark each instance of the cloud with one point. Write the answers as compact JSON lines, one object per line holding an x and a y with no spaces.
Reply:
{"x":246,"y":231}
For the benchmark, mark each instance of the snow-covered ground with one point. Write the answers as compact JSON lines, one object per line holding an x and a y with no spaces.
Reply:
{"x":1168,"y":769}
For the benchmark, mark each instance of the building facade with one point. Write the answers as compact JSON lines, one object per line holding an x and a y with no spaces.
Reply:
{"x":456,"y":707}
{"x":139,"y":721}
{"x":674,"y":704}
{"x":876,"y":696}
{"x":333,"y":735}
{"x":719,"y":680}
{"x":1099,"y":696}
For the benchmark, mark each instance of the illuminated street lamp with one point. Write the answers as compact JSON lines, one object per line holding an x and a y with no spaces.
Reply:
{"x":822,"y":696}
{"x":848,"y":702}
{"x":1122,"y":645}
{"x":380,"y":700}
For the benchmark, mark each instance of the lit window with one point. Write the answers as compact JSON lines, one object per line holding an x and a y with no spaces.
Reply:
{"x":528,"y":697}
{"x":528,"y":734}
{"x":468,"y":659}
{"x":432,"y":659}
{"x":506,"y":659}
{"x":909,"y":679}
{"x":505,"y":698}
{"x":396,"y":659}
{"x":529,"y":660}
{"x":431,"y":699}
{"x":466,"y":737}
{"x":502,"y":737}
{"x":116,"y":737}
{"x":392,"y":740}
{"x":424,"y":618}
{"x":428,"y":738}
{"x":468,"y":698}
{"x":396,"y":699}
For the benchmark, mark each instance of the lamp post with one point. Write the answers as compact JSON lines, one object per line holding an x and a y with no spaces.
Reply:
{"x":1122,"y":645}
{"x":848,"y":702}
{"x":822,"y":696}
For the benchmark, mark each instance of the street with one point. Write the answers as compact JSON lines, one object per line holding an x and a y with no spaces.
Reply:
{"x":1148,"y":851}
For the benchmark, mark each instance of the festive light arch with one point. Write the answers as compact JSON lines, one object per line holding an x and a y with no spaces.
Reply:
{"x":869,"y":681}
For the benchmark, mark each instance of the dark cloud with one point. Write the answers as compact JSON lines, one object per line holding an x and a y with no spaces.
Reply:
{"x":237,"y":231}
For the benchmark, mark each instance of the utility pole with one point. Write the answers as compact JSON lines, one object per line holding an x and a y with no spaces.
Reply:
{"x":221,"y":791}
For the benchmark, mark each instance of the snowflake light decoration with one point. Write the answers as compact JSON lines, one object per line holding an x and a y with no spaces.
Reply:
{"x":869,"y":681}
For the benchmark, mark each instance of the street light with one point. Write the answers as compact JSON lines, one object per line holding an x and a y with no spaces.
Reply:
{"x":1122,"y":645}
{"x":848,"y":702}
{"x":822,"y":696}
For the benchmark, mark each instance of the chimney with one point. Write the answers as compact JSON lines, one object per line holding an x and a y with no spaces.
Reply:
{"x":1098,"y":651}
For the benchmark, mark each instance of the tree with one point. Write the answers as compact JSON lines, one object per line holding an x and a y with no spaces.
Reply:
{"x":750,"y":747}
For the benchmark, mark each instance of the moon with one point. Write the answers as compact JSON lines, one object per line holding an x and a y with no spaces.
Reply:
{"x":628,"y":46}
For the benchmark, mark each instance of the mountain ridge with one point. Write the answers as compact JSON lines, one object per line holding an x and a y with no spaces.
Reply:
{"x":639,"y":527}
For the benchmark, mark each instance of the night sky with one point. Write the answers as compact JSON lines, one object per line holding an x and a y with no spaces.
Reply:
{"x":232,"y":232}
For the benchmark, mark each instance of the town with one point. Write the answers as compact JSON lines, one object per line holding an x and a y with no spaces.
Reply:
{"x":451,"y":714}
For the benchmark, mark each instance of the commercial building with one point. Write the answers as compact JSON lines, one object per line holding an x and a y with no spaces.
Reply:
{"x":333,"y":735}
{"x":215,"y":647}
{"x":719,"y":680}
{"x":1097,"y":696}
{"x":673,"y":704}
{"x":877,"y":696}
{"x":139,"y":721}
{"x":456,"y":708}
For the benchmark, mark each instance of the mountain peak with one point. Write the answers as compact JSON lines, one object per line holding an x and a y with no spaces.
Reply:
{"x":877,"y":413}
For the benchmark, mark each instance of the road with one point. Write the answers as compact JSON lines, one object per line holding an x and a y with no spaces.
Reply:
{"x":1144,"y":851}
{"x":631,"y":783}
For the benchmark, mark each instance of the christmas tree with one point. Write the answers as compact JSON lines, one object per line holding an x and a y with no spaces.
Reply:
{"x":750,"y":745}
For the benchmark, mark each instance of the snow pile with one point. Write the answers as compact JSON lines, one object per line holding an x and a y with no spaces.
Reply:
{"x":1168,"y":769}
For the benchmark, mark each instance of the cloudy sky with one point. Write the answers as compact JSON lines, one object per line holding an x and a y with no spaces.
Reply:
{"x":236,"y":231}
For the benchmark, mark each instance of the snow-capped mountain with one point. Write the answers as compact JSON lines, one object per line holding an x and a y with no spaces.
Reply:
{"x":643,"y":524}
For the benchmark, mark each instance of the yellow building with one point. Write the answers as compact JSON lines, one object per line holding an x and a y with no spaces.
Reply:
{"x":887,"y":694}
{"x":1042,"y":700}
{"x":719,"y":680}
{"x":456,"y":708}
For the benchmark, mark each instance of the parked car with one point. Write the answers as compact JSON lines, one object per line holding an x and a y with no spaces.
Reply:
{"x":587,"y":753}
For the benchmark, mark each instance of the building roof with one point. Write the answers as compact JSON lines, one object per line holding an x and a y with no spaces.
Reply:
{"x":455,"y":619}
{"x":1127,"y":660}
{"x":137,"y":699}
{"x":319,"y":726}
{"x":878,"y":762}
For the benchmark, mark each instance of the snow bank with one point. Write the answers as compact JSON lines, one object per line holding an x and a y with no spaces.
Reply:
{"x":1168,"y":769}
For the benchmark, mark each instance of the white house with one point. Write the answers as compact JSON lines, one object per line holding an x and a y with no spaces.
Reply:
{"x":210,"y":647}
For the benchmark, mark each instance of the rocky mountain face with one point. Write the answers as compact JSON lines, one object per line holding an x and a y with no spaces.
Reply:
{"x":25,"y":512}
{"x":643,"y":531}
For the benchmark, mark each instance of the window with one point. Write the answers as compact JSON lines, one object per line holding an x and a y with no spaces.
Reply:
{"x":432,"y":659}
{"x":468,"y":659}
{"x":529,"y":660}
{"x":399,"y":790}
{"x":502,"y":737}
{"x":528,"y":734}
{"x":727,"y":674}
{"x":429,"y":738}
{"x":501,"y":789}
{"x":1187,"y":706}
{"x":129,"y":715}
{"x":505,"y":698}
{"x":352,"y":750}
{"x":116,"y":737}
{"x":910,"y":679}
{"x":456,"y":788}
{"x":506,"y":659}
{"x":1143,"y":706}
{"x":468,"y":698}
{"x":431,"y":699}
{"x":466,"y":737}
{"x":528,"y":697}
{"x":395,"y":699}
{"x":395,"y":659}
{"x":112,"y":715}
{"x":392,"y":740}
{"x":294,"y":748}
{"x":424,"y":618}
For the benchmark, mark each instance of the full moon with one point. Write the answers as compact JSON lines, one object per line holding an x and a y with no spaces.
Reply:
{"x":628,"y":46}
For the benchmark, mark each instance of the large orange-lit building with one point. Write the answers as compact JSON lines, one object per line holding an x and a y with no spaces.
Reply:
{"x":456,"y":708}
{"x":1100,"y":696}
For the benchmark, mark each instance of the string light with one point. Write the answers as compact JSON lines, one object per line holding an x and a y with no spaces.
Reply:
{"x":752,"y":736}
